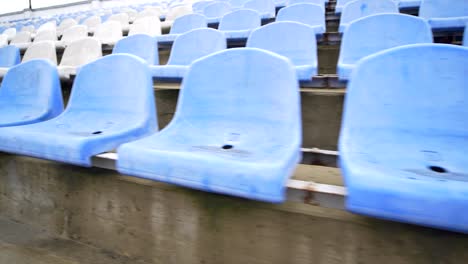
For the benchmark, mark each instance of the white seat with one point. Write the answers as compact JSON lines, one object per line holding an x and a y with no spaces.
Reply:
{"x":31,"y":29}
{"x":65,"y":25}
{"x":92,"y":23}
{"x":72,"y":34}
{"x":146,"y":25}
{"x":174,"y":13}
{"x":46,"y":35}
{"x":122,"y":18}
{"x":51,"y":25}
{"x":78,"y":53}
{"x":148,"y":13}
{"x":3,"y":40}
{"x":22,"y":39}
{"x":41,"y":50}
{"x":109,"y":32}
{"x":10,"y":32}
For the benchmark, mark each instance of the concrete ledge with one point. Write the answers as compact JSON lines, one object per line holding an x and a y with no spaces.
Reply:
{"x":160,"y":223}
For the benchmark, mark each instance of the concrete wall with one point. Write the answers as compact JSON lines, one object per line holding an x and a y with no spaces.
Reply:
{"x":161,"y":223}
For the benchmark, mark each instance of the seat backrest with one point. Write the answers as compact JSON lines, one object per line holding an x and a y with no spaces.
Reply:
{"x":195,"y":44}
{"x":41,"y":50}
{"x":375,"y":33}
{"x":92,"y":22}
{"x":198,"y":7}
{"x":51,"y":25}
{"x":261,"y":6}
{"x":140,"y":45}
{"x":342,"y":3}
{"x":417,"y":89}
{"x":109,"y":31}
{"x":66,"y":24}
{"x":46,"y":35}
{"x":33,"y":84}
{"x":122,"y":18}
{"x":362,"y":8}
{"x":216,"y":9}
{"x":21,"y":37}
{"x":75,"y":33}
{"x":293,"y":40}
{"x":465,"y":37}
{"x":178,"y":11}
{"x":3,"y":40}
{"x":241,"y":19}
{"x":125,"y":88}
{"x":10,"y":32}
{"x":320,"y":3}
{"x":257,"y":86}
{"x":150,"y":25}
{"x":309,"y":14}
{"x":188,"y":22}
{"x":29,"y":29}
{"x":81,"y":51}
{"x":148,"y":13}
{"x":9,"y":56}
{"x":443,"y":8}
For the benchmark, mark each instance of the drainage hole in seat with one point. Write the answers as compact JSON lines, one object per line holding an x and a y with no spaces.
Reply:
{"x":97,"y":132}
{"x":227,"y":147}
{"x":437,"y":169}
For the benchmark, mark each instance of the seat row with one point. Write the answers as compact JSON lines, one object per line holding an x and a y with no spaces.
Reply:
{"x":237,"y":127}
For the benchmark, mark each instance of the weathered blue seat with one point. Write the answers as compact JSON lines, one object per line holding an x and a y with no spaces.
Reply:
{"x":296,"y":41}
{"x":188,"y":47}
{"x":182,"y":25}
{"x":215,"y":11}
{"x":309,"y":14}
{"x":445,"y":15}
{"x":375,"y":33}
{"x":238,"y":24}
{"x":106,"y":109}
{"x":9,"y":57}
{"x":266,"y":8}
{"x":237,"y":129}
{"x":140,"y":45}
{"x":362,"y":8}
{"x":30,"y":93}
{"x":404,"y":137}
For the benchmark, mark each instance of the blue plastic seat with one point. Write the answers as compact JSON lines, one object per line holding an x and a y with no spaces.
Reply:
{"x":375,"y":33}
{"x":199,"y":6}
{"x":30,"y":93}
{"x":403,"y":140}
{"x":237,"y":134}
{"x":9,"y":56}
{"x":239,"y":24}
{"x":320,"y":3}
{"x":140,"y":45}
{"x":266,"y":8}
{"x":295,"y":41}
{"x":215,"y":11}
{"x":465,"y":37}
{"x":409,"y":3}
{"x":111,"y":103}
{"x":237,"y":4}
{"x":309,"y":14}
{"x":187,"y":48}
{"x":362,"y":8}
{"x":340,"y":5}
{"x":182,"y":25}
{"x":445,"y":15}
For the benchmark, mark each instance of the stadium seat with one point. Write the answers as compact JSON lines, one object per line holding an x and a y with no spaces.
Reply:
{"x":122,"y":18}
{"x":375,"y":33}
{"x":22,"y":39}
{"x":238,"y":24}
{"x":465,"y":37}
{"x":236,"y":134}
{"x":65,"y":25}
{"x":141,"y":45}
{"x":182,"y":25}
{"x":320,"y":3}
{"x":109,"y":32}
{"x":150,"y":25}
{"x":309,"y":14}
{"x":3,"y":40}
{"x":9,"y":57}
{"x":30,"y":28}
{"x":403,"y":138}
{"x":148,"y":13}
{"x":362,"y":8}
{"x":106,"y":108}
{"x":46,"y":35}
{"x":215,"y":11}
{"x":92,"y":23}
{"x":187,"y":48}
{"x":10,"y":32}
{"x":295,"y":41}
{"x":78,"y":53}
{"x":445,"y":15}
{"x":174,"y":13}
{"x":340,"y":4}
{"x":266,"y":8}
{"x":72,"y":34}
{"x":132,"y":14}
{"x":409,"y":3}
{"x":30,"y":93}
{"x":41,"y":50}
{"x":198,"y":7}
